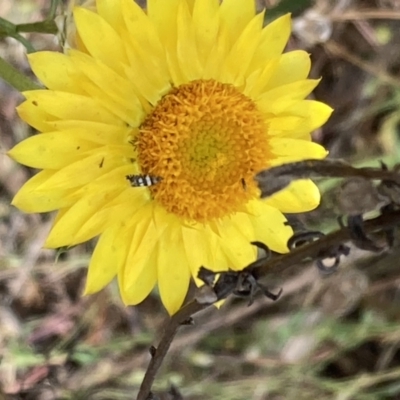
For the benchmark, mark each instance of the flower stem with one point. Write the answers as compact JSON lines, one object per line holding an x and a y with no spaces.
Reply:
{"x":161,"y":351}
{"x":15,"y":78}
{"x":46,"y":26}
{"x":7,"y":29}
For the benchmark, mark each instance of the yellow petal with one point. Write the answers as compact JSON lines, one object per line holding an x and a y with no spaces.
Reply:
{"x":206,"y":26}
{"x":145,"y":282}
{"x":85,"y":170}
{"x":63,"y":105}
{"x":111,"y":11}
{"x":51,"y":150}
{"x":242,"y":223}
{"x":109,"y":49}
{"x":235,"y":15}
{"x":96,"y":132}
{"x":191,"y":4}
{"x":287,"y":125}
{"x":243,"y":50}
{"x":137,"y":279}
{"x":269,"y":226}
{"x":64,"y":231}
{"x":273,"y":40}
{"x":293,"y":66}
{"x":121,"y":208}
{"x":30,"y":198}
{"x":300,"y":196}
{"x":201,"y":246}
{"x":57,"y":71}
{"x":115,"y":179}
{"x":147,"y":232}
{"x":215,"y":62}
{"x":35,"y":117}
{"x":172,"y":268}
{"x":279,"y":99}
{"x":257,"y":80}
{"x":106,"y":258}
{"x":290,"y":150}
{"x":115,"y":93}
{"x":164,"y":16}
{"x":235,"y":245}
{"x":146,"y":53}
{"x":187,"y":53}
{"x":314,"y":113}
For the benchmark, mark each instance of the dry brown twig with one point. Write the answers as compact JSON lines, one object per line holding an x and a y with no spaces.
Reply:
{"x":356,"y":15}
{"x":340,"y":51}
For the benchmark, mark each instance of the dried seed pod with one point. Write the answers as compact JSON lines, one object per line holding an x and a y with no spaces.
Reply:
{"x":390,"y":189}
{"x":242,"y":283}
{"x":357,"y":195}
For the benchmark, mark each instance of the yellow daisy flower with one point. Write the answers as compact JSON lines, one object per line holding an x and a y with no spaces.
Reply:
{"x":193,"y":96}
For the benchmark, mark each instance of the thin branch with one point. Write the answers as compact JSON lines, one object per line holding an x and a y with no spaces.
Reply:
{"x":53,"y":10}
{"x":7,"y":28}
{"x":278,"y":266}
{"x":283,"y":263}
{"x":15,"y":78}
{"x":340,"y":51}
{"x":277,"y":178}
{"x":355,"y":15}
{"x":161,"y":351}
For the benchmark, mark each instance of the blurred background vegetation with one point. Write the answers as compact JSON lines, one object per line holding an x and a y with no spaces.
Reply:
{"x":333,"y":337}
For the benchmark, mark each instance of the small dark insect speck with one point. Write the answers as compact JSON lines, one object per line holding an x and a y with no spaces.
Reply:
{"x":35,"y":103}
{"x":143,"y":180}
{"x":101,"y":163}
{"x":188,"y":321}
{"x":152,"y":350}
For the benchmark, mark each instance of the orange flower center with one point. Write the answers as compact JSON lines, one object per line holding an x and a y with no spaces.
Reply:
{"x":206,"y":140}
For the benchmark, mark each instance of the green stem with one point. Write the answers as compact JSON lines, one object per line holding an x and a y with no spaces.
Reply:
{"x":7,"y":72}
{"x":7,"y":28}
{"x":53,"y":9}
{"x":24,"y":42}
{"x":15,"y":78}
{"x":46,"y":26}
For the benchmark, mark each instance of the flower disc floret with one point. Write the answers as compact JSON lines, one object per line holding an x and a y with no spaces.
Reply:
{"x":206,"y":140}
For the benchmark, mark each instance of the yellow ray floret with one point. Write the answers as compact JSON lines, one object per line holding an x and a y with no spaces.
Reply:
{"x":150,"y":133}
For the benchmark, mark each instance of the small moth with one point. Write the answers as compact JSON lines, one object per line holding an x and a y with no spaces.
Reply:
{"x":143,"y":180}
